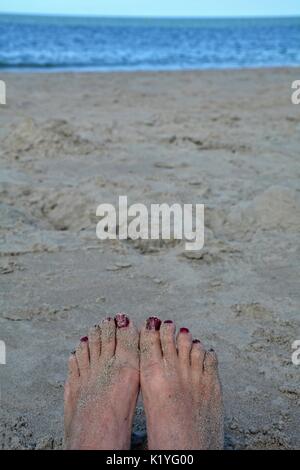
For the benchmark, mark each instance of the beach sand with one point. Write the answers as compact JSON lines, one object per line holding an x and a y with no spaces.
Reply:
{"x":228,"y":139}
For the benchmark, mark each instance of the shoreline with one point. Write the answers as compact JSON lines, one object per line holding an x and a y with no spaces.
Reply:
{"x":64,"y":71}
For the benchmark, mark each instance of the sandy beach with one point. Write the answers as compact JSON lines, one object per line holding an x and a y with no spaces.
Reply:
{"x":228,"y":139}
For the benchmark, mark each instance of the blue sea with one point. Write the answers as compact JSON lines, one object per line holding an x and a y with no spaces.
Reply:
{"x":69,"y":43}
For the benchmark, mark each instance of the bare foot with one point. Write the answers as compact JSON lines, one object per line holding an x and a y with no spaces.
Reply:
{"x":181,"y":389}
{"x":102,"y":387}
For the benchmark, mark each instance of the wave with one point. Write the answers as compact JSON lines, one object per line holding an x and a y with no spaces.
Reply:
{"x":101,"y":44}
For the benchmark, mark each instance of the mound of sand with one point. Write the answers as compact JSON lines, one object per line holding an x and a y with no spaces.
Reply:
{"x":68,"y":209}
{"x":12,"y":218}
{"x":53,"y":137}
{"x":21,"y":232}
{"x":277,"y":208}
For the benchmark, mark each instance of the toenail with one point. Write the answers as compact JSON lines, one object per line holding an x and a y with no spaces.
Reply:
{"x":84,"y":339}
{"x":168,"y":321}
{"x":153,"y":323}
{"x":73,"y":352}
{"x":121,"y":320}
{"x":211,"y":350}
{"x":184,"y":330}
{"x":196,"y":341}
{"x":108,"y":319}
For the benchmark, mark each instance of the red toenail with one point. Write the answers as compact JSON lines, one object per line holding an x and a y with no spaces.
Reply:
{"x":84,"y":339}
{"x":108,"y":319}
{"x":153,"y":323}
{"x":184,"y":330}
{"x":196,"y":341}
{"x":168,"y":321}
{"x":73,"y":352}
{"x":121,"y":320}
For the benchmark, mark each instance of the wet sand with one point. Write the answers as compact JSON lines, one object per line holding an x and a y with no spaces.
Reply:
{"x":228,"y":139}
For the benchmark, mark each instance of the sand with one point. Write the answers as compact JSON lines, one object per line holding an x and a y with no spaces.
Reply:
{"x":228,"y":139}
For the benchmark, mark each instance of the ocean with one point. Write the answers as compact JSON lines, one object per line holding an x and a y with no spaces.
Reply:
{"x":106,"y":44}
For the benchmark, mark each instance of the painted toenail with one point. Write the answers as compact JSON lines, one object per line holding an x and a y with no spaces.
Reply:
{"x":121,"y":320}
{"x":184,"y":330}
{"x":153,"y":323}
{"x":73,"y":352}
{"x":168,"y":321}
{"x":196,"y":341}
{"x":84,"y":339}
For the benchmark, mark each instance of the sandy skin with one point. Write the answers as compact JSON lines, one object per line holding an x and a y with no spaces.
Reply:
{"x":102,"y":387}
{"x":178,"y":379}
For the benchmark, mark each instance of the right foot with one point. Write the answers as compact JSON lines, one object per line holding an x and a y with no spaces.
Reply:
{"x":102,"y":387}
{"x":181,"y":390}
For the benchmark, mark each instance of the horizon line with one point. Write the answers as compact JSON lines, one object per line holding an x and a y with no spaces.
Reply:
{"x":152,"y":17}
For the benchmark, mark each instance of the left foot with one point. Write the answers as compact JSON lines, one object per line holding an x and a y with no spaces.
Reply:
{"x":102,"y":387}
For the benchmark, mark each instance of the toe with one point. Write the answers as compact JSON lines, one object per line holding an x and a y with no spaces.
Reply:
{"x":210,"y":362}
{"x":184,"y":346}
{"x":94,"y":344}
{"x":167,"y":338}
{"x":150,"y":345}
{"x":73,"y":370}
{"x":197,"y":358}
{"x":72,"y":386}
{"x":108,"y":338}
{"x":73,"y":380}
{"x":127,"y":340}
{"x":82,"y":355}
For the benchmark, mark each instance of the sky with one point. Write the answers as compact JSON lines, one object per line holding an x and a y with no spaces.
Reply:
{"x":154,"y":7}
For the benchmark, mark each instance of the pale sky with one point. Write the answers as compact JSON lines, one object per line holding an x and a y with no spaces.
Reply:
{"x":154,"y":7}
